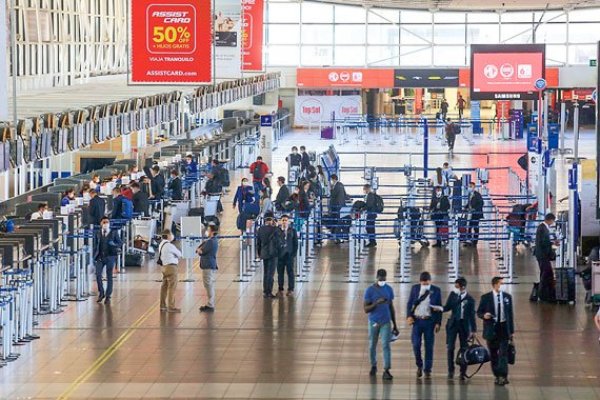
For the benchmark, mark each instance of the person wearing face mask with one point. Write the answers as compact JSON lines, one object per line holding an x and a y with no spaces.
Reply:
{"x":208,"y":264}
{"x":294,"y":159}
{"x":191,"y":166}
{"x":282,"y":195}
{"x":424,"y":309}
{"x":95,"y":183}
{"x":496,"y":311}
{"x":68,"y":197}
{"x":439,"y":207}
{"x":475,"y":209}
{"x":168,"y":259}
{"x":305,"y":161}
{"x":379,"y":304}
{"x":461,"y":323}
{"x":175,"y":186}
{"x":243,"y":195}
{"x":337,"y":200}
{"x":544,"y":253}
{"x":97,"y":207}
{"x":371,"y":205}
{"x":287,"y":256}
{"x":39,"y":214}
{"x":106,"y":248}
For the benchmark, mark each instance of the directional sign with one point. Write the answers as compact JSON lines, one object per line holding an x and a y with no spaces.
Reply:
{"x":540,"y":84}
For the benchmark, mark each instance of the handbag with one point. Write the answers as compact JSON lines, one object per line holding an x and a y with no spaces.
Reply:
{"x":511,"y":353}
{"x":475,"y":354}
{"x":140,"y":244}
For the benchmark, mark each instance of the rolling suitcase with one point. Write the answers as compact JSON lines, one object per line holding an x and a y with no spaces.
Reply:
{"x":565,"y":285}
{"x":133,"y":260}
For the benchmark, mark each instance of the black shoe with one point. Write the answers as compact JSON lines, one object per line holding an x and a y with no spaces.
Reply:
{"x":450,"y":376}
{"x":387,"y":376}
{"x":437,"y":245}
{"x":427,"y":375}
{"x":373,"y":371}
{"x":107,"y":301}
{"x":419,"y":372}
{"x":100,"y":298}
{"x":206,"y":309}
{"x":373,"y":244}
{"x":463,"y":377}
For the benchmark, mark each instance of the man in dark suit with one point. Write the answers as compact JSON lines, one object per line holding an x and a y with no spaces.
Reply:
{"x":337,"y":200}
{"x":461,"y":323}
{"x":157,"y":182}
{"x":282,"y":195}
{"x":264,"y":235}
{"x":371,"y":209}
{"x":106,"y":249}
{"x":545,"y":255}
{"x":305,"y":160}
{"x":97,"y":207}
{"x":117,"y":205}
{"x":475,"y":208}
{"x":286,"y":259}
{"x":175,"y":186}
{"x":424,"y":311}
{"x":141,"y":204}
{"x":439,"y":207}
{"x":496,"y":311}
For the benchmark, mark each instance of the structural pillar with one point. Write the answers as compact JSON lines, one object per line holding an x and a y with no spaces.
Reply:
{"x":4,"y":60}
{"x":266,"y":139}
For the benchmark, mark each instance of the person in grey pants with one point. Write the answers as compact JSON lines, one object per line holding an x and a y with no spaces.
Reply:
{"x":208,"y":264}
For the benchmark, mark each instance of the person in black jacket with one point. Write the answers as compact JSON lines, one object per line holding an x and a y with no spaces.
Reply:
{"x":175,"y":186}
{"x":545,"y":255}
{"x":157,"y":182}
{"x":97,"y":207}
{"x":282,"y":195}
{"x":287,"y":257}
{"x":264,"y":236}
{"x":496,"y":311}
{"x":106,"y":250}
{"x":475,"y":208}
{"x":294,"y":159}
{"x":371,"y":208}
{"x":461,"y":323}
{"x":337,"y":200}
{"x":117,"y":205}
{"x":439,"y":207}
{"x":305,"y":160}
{"x":141,"y":204}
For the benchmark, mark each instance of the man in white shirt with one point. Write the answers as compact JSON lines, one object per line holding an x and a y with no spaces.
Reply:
{"x":39,"y":214}
{"x":168,"y":259}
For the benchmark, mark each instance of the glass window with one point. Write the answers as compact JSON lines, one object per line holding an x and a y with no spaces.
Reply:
{"x":383,"y":34}
{"x":317,"y":55}
{"x":483,"y":34}
{"x":551,"y":33}
{"x":479,"y":17}
{"x":556,"y":54}
{"x":350,"y":56}
{"x":350,"y":34}
{"x":283,"y":12}
{"x":415,"y":17}
{"x":448,"y":17}
{"x":582,"y":54}
{"x":382,"y":56}
{"x":592,"y":14}
{"x":550,"y":16}
{"x":283,"y":56}
{"x":383,"y":16}
{"x":283,"y":34}
{"x":516,"y":33}
{"x":449,"y":34}
{"x":584,"y":33}
{"x":415,"y":34}
{"x":317,"y":12}
{"x":444,"y":56}
{"x":415,"y":56}
{"x":517,"y":17}
{"x":350,"y":14}
{"x":317,"y":34}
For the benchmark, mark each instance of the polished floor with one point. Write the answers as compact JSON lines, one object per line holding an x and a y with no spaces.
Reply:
{"x":313,"y":346}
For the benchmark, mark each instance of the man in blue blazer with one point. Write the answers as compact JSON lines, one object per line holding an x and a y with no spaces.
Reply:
{"x":424,"y":311}
{"x":496,"y":311}
{"x":107,"y":246}
{"x":461,"y":323}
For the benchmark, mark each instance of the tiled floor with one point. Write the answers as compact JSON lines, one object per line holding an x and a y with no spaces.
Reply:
{"x":313,"y":346}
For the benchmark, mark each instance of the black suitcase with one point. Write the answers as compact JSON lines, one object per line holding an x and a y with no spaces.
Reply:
{"x":196,"y":212}
{"x":133,"y":260}
{"x":565,"y":285}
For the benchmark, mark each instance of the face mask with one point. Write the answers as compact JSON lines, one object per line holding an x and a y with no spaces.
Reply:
{"x":426,"y":287}
{"x":294,"y":152}
{"x":456,"y":290}
{"x":438,"y":194}
{"x":106,"y":227}
{"x":381,"y":283}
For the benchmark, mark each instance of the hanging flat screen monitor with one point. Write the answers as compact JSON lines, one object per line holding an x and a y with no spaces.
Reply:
{"x":506,"y":72}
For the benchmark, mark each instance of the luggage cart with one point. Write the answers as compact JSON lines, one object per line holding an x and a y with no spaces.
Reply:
{"x":143,"y":231}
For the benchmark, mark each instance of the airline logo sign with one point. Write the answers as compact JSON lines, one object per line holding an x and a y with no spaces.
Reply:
{"x":311,"y":110}
{"x":350,"y":78}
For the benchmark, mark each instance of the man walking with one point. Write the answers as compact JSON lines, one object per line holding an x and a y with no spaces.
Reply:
{"x":496,"y":311}
{"x":287,"y":256}
{"x":259,"y":170}
{"x":379,"y":304}
{"x":444,"y":108}
{"x":545,"y":255}
{"x":267,"y":239}
{"x":106,"y":248}
{"x":208,"y":264}
{"x":475,"y":208}
{"x":168,"y":259}
{"x":451,"y":129}
{"x":424,"y":314}
{"x":461,"y":103}
{"x":371,"y":208}
{"x":461,"y":323}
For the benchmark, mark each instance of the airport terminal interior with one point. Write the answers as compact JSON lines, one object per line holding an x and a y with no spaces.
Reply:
{"x":280,"y":199}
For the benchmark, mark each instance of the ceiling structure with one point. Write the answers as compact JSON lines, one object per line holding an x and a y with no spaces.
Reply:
{"x":479,"y":5}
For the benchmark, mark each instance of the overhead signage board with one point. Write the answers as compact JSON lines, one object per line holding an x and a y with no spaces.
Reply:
{"x":252,"y":35}
{"x":228,"y":39}
{"x":170,"y":42}
{"x":506,"y":72}
{"x":360,"y":78}
{"x":426,"y":78}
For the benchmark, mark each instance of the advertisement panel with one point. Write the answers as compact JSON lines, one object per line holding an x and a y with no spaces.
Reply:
{"x":506,"y":72}
{"x":310,"y":110}
{"x":252,"y":35}
{"x":426,"y":78}
{"x":170,"y":42}
{"x":360,"y":78}
{"x":228,"y":40}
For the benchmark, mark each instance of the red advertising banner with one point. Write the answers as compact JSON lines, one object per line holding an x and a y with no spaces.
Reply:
{"x":345,"y":78}
{"x":171,"y":41}
{"x":506,"y":72}
{"x":252,"y":35}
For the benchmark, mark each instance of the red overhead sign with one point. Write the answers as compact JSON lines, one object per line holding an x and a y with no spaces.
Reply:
{"x":360,"y":78}
{"x":171,"y":41}
{"x":252,"y":35}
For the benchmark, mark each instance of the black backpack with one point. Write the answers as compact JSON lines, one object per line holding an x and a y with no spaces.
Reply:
{"x":456,"y":128}
{"x":257,"y":174}
{"x":275,"y":245}
{"x":379,"y":205}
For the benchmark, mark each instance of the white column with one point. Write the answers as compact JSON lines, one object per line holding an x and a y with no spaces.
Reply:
{"x":266,"y":139}
{"x":4,"y":27}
